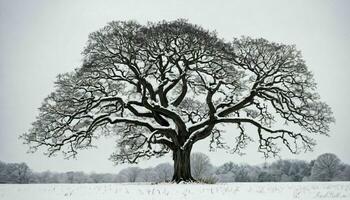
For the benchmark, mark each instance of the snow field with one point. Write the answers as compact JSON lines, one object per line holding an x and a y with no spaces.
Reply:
{"x":223,"y":191}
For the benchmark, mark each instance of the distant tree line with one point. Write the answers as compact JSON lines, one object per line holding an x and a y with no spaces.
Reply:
{"x":327,"y":167}
{"x":21,"y":173}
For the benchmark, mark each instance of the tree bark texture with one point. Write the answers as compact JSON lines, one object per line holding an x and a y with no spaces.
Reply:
{"x":182,"y":165}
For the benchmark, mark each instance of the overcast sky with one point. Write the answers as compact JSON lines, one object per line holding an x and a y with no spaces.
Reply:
{"x":40,"y":39}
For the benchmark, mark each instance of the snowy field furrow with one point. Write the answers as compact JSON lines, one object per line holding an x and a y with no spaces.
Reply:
{"x":229,"y":191}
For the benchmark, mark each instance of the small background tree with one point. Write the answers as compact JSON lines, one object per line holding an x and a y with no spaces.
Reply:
{"x":130,"y":174}
{"x":200,"y":165}
{"x":326,"y":167}
{"x":149,"y":175}
{"x":164,"y":172}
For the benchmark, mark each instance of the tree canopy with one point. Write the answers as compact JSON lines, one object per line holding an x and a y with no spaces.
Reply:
{"x":163,"y":86}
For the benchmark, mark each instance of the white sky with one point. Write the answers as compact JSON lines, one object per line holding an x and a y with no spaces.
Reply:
{"x":40,"y":39}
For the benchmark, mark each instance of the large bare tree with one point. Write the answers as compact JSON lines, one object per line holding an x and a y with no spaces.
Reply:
{"x":162,"y":87}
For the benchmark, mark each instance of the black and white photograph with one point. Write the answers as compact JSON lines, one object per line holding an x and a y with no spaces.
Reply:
{"x":174,"y":99}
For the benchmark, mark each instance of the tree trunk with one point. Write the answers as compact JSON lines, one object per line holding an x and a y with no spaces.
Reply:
{"x":182,"y":165}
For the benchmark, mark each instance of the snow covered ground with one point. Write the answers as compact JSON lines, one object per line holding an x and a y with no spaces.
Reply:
{"x":231,"y":191}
